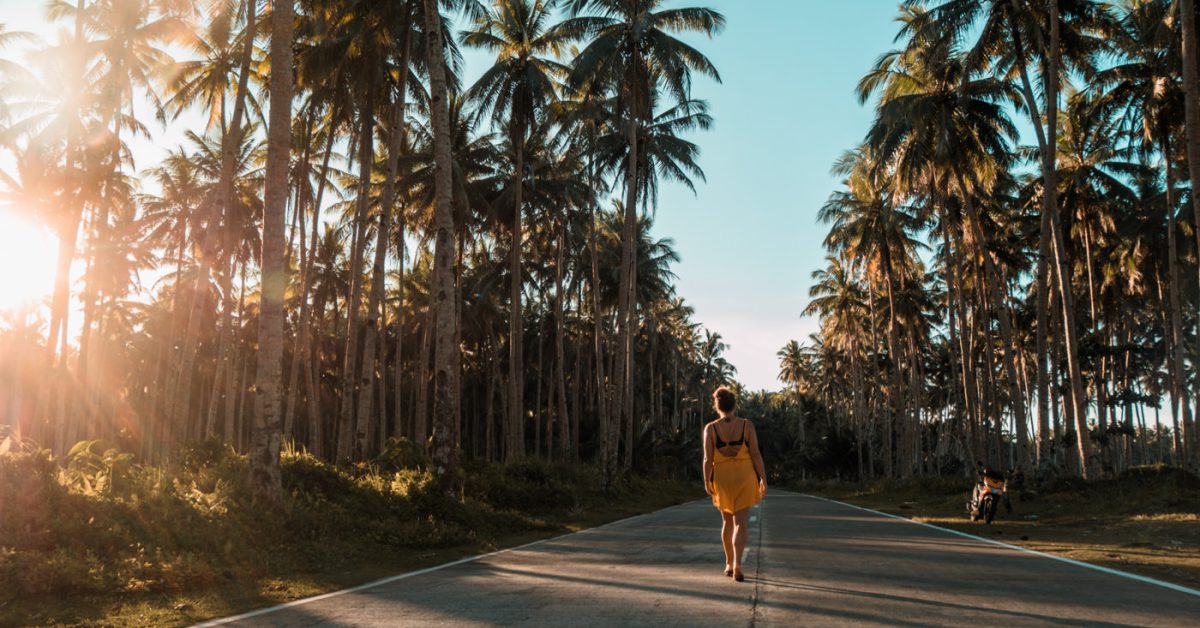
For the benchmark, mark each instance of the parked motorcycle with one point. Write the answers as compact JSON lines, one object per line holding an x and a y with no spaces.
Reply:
{"x":990,"y":489}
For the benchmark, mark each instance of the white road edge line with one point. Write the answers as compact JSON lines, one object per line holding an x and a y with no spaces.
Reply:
{"x":1071,"y":561}
{"x":410,"y":574}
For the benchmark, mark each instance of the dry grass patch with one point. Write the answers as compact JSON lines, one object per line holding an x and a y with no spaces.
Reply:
{"x":1143,"y":522}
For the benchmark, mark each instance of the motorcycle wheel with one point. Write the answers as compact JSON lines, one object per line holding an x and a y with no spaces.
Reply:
{"x":989,"y":508}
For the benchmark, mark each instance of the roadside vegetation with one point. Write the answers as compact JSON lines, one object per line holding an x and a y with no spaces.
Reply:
{"x":102,"y":540}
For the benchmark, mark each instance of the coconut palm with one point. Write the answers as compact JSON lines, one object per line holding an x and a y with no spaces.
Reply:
{"x":268,"y":416}
{"x":517,"y":90}
{"x":632,"y":50}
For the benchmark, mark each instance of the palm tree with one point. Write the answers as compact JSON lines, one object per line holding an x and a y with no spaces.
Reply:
{"x":873,"y":232}
{"x":1191,"y":89}
{"x":936,"y":122}
{"x":268,"y":420}
{"x":445,"y":377}
{"x":517,"y":89}
{"x":1064,"y":34}
{"x":206,"y":80}
{"x":632,"y":50}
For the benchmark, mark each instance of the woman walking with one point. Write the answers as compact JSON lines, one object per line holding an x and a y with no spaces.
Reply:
{"x":733,"y":475}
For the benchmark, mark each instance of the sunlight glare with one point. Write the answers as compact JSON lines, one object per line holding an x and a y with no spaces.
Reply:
{"x":27,"y":258}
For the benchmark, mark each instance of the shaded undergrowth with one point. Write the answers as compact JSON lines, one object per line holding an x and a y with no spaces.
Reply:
{"x":171,"y":543}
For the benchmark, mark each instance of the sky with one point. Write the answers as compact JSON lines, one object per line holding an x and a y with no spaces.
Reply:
{"x":748,"y":238}
{"x":784,"y":111}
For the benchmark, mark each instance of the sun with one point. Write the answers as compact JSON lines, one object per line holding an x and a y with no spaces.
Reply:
{"x":27,"y":258}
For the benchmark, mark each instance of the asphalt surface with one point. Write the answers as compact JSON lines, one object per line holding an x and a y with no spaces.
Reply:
{"x":810,"y":562}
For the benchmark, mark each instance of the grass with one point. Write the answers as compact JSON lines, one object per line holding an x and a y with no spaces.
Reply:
{"x":1143,"y":522}
{"x":105,"y":542}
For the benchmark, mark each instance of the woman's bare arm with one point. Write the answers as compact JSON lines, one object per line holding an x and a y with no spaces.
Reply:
{"x":755,"y":456}
{"x":707,"y":465}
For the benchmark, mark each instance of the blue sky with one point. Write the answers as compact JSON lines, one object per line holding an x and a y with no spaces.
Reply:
{"x":786,"y":109}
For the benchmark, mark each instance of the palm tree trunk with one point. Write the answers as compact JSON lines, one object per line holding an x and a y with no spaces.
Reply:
{"x":181,"y":390}
{"x":1101,"y":378}
{"x":375,"y":302}
{"x":537,"y":394}
{"x":401,"y":311}
{"x":897,"y":397}
{"x":559,"y":350}
{"x":493,"y":374}
{"x":446,"y":378}
{"x":366,"y":160}
{"x":236,"y":386}
{"x":1176,"y":307}
{"x":223,"y":369}
{"x":1043,"y":378}
{"x":1050,"y":193}
{"x":515,"y":431}
{"x":264,"y":457}
{"x":603,"y":432}
{"x":421,"y":411}
{"x":304,"y":327}
{"x":992,"y":285}
{"x":1191,"y":88}
{"x":68,"y":234}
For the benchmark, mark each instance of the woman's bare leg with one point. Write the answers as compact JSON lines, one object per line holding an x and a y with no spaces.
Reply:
{"x":741,"y":532}
{"x":727,"y":539}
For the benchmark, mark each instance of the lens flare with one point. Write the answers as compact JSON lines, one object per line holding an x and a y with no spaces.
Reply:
{"x":27,"y":258}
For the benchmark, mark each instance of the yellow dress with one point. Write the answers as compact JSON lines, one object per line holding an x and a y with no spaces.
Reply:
{"x":734,"y":479}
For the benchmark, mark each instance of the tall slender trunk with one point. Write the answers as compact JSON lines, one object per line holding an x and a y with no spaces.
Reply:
{"x":366,"y":160}
{"x":68,"y":233}
{"x":304,"y":334}
{"x":1101,"y":378}
{"x":182,"y":388}
{"x":264,"y":456}
{"x":489,"y":407}
{"x":992,"y":284}
{"x":1176,"y":345}
{"x":401,"y":311}
{"x":897,"y":397}
{"x":1043,"y":378}
{"x":1047,"y":148}
{"x":223,"y":369}
{"x":602,"y":426}
{"x":375,"y":302}
{"x":301,"y":200}
{"x":537,"y":394}
{"x":1191,"y":88}
{"x":625,"y":301}
{"x":236,"y":385}
{"x":515,"y":430}
{"x":446,"y":378}
{"x":421,"y":411}
{"x":1050,"y":194}
{"x":559,"y":350}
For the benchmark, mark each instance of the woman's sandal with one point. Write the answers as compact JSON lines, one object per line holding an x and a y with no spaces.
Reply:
{"x":737,"y":575}
{"x":729,"y":572}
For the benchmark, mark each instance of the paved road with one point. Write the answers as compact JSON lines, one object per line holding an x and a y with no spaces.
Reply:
{"x":811,"y":563}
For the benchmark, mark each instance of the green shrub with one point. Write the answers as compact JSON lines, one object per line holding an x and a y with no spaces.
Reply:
{"x":401,"y":453}
{"x":29,"y":497}
{"x":59,"y":571}
{"x":96,"y":468}
{"x":527,"y":485}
